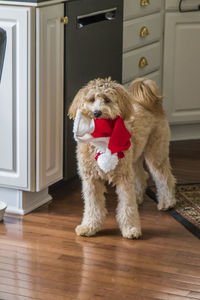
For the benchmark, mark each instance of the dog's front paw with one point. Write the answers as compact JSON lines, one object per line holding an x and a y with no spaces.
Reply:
{"x":85,"y":230}
{"x":131,"y":232}
{"x":165,"y":205}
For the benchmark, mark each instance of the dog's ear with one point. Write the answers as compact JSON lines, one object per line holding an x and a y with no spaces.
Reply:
{"x":76,"y":104}
{"x":124,"y":102}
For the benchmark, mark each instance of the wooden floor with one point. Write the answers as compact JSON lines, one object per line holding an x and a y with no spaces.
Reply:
{"x":42,"y":258}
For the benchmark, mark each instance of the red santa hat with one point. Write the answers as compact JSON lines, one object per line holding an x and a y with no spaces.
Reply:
{"x":115,"y":129}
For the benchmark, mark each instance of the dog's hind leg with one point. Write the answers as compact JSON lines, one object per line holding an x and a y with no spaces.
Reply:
{"x":127,"y":209}
{"x":157,"y":160}
{"x":94,"y":207}
{"x":141,"y":177}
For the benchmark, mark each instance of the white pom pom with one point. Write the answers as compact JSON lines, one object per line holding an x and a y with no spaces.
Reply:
{"x":107,"y":161}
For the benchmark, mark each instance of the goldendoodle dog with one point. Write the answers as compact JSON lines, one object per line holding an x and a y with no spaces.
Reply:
{"x":116,"y":131}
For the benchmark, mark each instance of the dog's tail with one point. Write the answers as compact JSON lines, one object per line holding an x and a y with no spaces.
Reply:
{"x":145,"y":92}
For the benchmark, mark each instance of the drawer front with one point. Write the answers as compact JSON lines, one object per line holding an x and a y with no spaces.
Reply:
{"x":155,"y":76}
{"x":142,"y":61}
{"x":142,"y":31}
{"x":137,"y":8}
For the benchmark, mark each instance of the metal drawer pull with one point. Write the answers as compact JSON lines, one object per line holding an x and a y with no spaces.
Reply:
{"x":92,"y":18}
{"x":187,"y":10}
{"x":64,"y":20}
{"x":143,"y":62}
{"x":144,"y":2}
{"x":144,"y":31}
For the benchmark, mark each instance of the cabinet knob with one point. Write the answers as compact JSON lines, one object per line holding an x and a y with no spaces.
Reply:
{"x":144,"y":2}
{"x":143,"y":62}
{"x":144,"y":31}
{"x":64,"y":20}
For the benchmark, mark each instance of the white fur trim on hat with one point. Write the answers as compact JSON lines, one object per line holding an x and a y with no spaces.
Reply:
{"x":82,"y":125}
{"x":107,"y":161}
{"x":101,"y":144}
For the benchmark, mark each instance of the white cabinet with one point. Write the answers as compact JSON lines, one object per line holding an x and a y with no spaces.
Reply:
{"x":31,"y":104}
{"x":49,"y":98}
{"x":16,"y":120}
{"x":181,"y":85}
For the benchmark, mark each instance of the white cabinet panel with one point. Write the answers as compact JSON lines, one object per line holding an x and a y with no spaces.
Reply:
{"x":15,"y":98}
{"x":49,"y":98}
{"x":181,"y":67}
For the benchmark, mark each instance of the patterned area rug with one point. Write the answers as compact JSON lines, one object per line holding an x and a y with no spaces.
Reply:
{"x":187,"y":210}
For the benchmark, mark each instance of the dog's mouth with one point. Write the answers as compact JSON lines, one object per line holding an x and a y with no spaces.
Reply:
{"x":104,"y":115}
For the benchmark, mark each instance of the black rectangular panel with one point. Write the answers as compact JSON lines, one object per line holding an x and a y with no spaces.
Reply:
{"x":93,"y":49}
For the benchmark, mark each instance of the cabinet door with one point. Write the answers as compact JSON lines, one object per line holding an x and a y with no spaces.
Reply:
{"x":181,"y":85}
{"x":15,"y":98}
{"x":49,"y":95}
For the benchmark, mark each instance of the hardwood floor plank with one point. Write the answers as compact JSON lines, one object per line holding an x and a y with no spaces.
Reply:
{"x":8,"y":296}
{"x":42,"y":258}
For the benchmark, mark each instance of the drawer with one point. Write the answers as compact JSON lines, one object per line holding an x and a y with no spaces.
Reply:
{"x":137,"y":8}
{"x":142,"y":31}
{"x":155,"y":76}
{"x":141,"y":61}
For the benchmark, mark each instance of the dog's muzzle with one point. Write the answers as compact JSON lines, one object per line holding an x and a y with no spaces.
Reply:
{"x":97,"y":113}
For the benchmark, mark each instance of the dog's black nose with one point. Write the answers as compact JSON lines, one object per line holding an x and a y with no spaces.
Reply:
{"x":97,"y":113}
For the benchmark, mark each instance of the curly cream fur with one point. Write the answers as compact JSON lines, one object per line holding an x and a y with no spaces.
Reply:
{"x":142,"y":111}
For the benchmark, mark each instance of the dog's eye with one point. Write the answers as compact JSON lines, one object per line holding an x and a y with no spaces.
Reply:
{"x":92,"y":100}
{"x":107,"y":100}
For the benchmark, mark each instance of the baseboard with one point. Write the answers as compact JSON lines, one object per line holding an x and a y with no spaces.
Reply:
{"x":185,"y":132}
{"x":22,"y":202}
{"x":20,"y":211}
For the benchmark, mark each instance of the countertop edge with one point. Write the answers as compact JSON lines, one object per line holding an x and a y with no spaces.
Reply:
{"x":31,"y":4}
